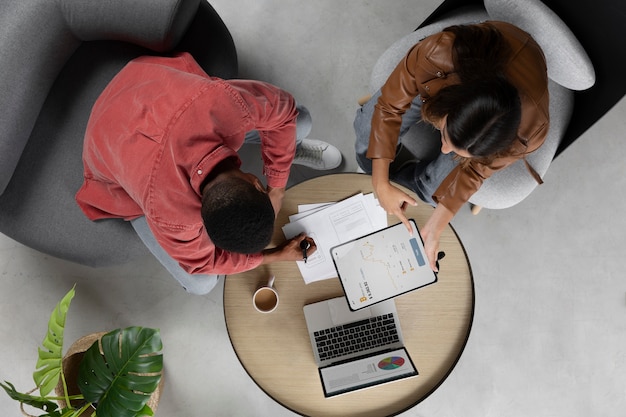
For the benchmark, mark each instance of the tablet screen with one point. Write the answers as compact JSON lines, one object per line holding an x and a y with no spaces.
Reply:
{"x":382,"y":265}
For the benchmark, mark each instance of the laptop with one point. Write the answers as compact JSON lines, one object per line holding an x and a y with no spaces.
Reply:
{"x":382,"y":265}
{"x":357,"y":349}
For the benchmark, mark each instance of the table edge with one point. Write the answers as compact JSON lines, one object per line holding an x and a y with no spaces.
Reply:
{"x":429,"y":393}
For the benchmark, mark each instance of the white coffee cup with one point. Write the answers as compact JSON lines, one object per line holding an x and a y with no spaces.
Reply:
{"x":265,"y":298}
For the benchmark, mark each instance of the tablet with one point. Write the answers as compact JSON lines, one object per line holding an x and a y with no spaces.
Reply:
{"x":382,"y":265}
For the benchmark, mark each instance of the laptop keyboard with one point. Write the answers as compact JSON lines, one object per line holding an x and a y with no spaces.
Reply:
{"x":356,"y":337}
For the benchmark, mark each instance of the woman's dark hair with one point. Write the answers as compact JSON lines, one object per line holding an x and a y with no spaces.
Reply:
{"x":237,"y":216}
{"x":478,"y":51}
{"x":483,"y":116}
{"x":484,"y":110}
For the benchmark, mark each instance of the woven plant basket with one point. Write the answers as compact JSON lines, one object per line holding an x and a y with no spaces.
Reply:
{"x":71,"y":362}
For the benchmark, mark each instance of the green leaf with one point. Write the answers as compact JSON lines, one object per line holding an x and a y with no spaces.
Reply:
{"x":31,"y":400}
{"x":48,"y":368}
{"x":121,"y":379}
{"x":75,"y":412}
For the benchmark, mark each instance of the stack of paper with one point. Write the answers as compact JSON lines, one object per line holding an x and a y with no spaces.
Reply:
{"x":330,"y":224}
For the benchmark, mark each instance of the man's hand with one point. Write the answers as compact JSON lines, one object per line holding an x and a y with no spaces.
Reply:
{"x":276,"y":197}
{"x":289,"y":250}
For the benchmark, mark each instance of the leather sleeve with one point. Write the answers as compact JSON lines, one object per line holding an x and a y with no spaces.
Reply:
{"x":459,"y":186}
{"x":401,"y":87}
{"x":464,"y":180}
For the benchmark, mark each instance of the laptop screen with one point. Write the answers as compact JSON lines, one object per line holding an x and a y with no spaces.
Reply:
{"x":367,"y":372}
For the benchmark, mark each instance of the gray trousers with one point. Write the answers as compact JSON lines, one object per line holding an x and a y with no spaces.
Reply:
{"x":424,"y":176}
{"x":199,"y":284}
{"x":203,"y":283}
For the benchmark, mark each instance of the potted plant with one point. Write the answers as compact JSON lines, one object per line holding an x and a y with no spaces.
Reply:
{"x":115,"y":374}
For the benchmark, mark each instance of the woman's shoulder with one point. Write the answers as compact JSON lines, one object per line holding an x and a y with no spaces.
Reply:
{"x":430,"y":61}
{"x":435,"y":49}
{"x":527,"y":67}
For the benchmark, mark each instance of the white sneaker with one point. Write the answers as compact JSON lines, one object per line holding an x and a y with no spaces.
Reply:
{"x":317,"y":154}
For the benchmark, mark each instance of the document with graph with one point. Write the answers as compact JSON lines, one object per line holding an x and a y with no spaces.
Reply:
{"x":382,"y":265}
{"x":331,"y":224}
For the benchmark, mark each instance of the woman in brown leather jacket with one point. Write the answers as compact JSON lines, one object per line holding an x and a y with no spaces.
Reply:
{"x":485,"y":88}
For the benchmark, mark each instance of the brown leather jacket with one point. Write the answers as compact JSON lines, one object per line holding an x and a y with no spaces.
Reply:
{"x":426,"y":69}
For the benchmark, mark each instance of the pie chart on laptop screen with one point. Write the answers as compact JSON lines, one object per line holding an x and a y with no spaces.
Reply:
{"x":391,"y":363}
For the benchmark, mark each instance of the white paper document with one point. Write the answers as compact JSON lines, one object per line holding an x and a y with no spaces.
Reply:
{"x":330,"y":224}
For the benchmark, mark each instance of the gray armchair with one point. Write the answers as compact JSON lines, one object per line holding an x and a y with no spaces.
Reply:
{"x":569,"y":70}
{"x":56,"y":56}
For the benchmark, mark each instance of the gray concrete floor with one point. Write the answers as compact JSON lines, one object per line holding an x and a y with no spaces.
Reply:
{"x":549,"y":333}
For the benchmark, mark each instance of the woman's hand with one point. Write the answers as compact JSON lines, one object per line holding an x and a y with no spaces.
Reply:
{"x":431,"y":233}
{"x":289,"y":250}
{"x":395,"y":201}
{"x":392,"y":199}
{"x":431,"y":245}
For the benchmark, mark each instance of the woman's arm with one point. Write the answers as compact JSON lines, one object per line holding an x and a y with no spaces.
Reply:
{"x":391,"y":198}
{"x":395,"y":202}
{"x":431,"y":232}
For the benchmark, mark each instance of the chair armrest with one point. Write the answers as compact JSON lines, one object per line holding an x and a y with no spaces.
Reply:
{"x":37,"y":37}
{"x":154,"y":24}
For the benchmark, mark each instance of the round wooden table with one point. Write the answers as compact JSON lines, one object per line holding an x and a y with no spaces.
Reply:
{"x":275,"y":348}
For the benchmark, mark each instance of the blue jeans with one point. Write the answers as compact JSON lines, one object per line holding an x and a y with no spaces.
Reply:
{"x":203,"y":283}
{"x":304,"y":122}
{"x":199,"y":284}
{"x":423,"y":177}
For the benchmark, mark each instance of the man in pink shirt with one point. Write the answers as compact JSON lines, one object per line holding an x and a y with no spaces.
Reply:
{"x":160,"y":151}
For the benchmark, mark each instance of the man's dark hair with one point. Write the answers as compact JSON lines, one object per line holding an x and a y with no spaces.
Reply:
{"x":237,"y":216}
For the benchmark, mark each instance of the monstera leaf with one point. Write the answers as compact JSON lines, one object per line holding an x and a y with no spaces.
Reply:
{"x":33,"y":401}
{"x":49,"y":362}
{"x":121,"y":372}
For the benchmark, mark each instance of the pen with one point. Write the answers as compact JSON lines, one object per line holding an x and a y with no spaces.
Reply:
{"x":304,"y":245}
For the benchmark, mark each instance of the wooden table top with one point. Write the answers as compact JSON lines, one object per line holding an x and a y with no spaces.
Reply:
{"x":275,"y":348}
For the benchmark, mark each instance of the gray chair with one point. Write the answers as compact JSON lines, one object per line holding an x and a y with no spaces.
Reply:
{"x":56,"y":56}
{"x":569,"y":69}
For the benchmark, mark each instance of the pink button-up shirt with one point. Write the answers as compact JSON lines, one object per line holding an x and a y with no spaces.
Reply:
{"x":155,"y":134}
